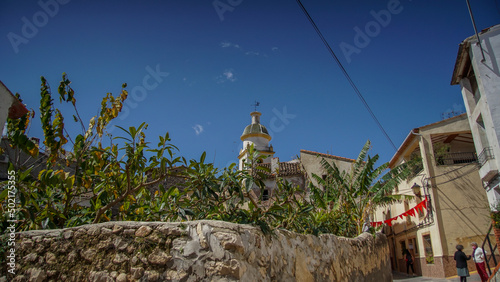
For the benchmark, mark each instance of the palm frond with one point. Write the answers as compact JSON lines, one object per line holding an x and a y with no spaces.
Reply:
{"x":358,"y":164}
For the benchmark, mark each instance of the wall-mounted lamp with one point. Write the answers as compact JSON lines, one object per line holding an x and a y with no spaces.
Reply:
{"x":416,"y":190}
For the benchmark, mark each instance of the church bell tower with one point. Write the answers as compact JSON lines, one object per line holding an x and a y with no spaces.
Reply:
{"x":256,"y":134}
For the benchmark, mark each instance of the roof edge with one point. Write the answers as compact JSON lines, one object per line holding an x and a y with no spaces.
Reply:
{"x":245,"y":136}
{"x":408,"y":140}
{"x":460,"y":63}
{"x":327,"y":155}
{"x":415,"y":132}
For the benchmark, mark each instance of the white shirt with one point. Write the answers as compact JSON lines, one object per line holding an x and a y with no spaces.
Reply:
{"x":478,"y":255}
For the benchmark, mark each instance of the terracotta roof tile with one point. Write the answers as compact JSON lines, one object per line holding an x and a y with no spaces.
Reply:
{"x":285,"y":169}
{"x":327,"y":155}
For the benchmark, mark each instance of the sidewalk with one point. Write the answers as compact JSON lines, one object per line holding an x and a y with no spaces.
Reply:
{"x":398,"y":276}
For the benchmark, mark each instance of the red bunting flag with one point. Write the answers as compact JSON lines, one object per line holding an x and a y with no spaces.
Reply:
{"x":388,"y":222}
{"x":411,"y":212}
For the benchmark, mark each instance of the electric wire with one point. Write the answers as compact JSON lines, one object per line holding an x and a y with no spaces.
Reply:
{"x":453,"y":170}
{"x":351,"y":82}
{"x":463,"y":174}
{"x":475,"y":29}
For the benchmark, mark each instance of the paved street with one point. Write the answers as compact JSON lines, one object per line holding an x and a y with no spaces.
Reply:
{"x":398,"y":276}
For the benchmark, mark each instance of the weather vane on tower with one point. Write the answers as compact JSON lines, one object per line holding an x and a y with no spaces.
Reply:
{"x":256,"y":104}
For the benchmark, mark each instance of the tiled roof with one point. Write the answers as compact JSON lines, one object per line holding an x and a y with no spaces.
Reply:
{"x":327,"y":155}
{"x":285,"y":169}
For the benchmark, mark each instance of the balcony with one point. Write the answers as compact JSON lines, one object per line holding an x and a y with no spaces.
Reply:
{"x":485,"y":155}
{"x":415,"y":169}
{"x":456,"y":158}
{"x":488,"y":169}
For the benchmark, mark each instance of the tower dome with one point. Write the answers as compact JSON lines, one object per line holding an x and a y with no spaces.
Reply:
{"x":255,"y":129}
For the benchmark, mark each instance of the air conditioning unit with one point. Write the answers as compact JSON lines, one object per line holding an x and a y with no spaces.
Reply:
{"x":4,"y":159}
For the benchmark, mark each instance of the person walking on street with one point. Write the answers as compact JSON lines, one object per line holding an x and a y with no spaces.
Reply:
{"x":409,"y":262}
{"x":478,"y":256}
{"x":462,"y":259}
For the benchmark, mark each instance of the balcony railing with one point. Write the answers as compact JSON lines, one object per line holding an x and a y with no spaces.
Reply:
{"x":456,"y":158}
{"x":485,"y":155}
{"x":415,"y":169}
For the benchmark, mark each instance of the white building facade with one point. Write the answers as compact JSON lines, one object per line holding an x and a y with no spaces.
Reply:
{"x":477,"y":71}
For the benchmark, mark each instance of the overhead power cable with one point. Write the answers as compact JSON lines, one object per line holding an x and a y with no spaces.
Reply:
{"x":346,"y":74}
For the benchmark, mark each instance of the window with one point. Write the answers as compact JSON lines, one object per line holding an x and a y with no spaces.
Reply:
{"x":474,"y":86}
{"x":470,"y":86}
{"x":482,"y":132}
{"x":403,"y":247}
{"x":429,"y":255}
{"x":265,"y":195}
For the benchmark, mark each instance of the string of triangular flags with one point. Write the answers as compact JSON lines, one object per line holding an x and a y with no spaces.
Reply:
{"x":411,"y":212}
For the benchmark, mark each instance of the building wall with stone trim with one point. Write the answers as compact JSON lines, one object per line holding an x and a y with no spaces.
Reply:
{"x":195,"y":251}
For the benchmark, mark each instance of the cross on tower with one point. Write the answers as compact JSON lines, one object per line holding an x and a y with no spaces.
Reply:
{"x":256,"y":104}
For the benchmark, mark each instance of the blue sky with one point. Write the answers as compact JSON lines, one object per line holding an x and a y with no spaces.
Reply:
{"x":194,"y":68}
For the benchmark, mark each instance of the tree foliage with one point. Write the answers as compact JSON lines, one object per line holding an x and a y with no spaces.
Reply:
{"x":113,"y":175}
{"x":108,"y":176}
{"x":357,"y":192}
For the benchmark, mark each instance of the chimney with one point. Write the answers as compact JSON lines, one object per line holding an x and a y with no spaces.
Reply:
{"x":275,"y":165}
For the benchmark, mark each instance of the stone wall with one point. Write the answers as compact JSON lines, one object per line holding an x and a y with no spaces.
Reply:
{"x":195,"y":251}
